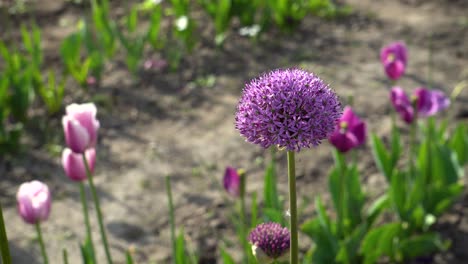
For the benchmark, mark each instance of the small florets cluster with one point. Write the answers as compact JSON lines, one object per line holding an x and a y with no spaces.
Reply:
{"x":271,"y":238}
{"x":290,"y":108}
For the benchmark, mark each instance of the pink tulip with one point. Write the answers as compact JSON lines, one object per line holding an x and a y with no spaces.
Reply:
{"x":34,"y":202}
{"x":80,"y":126}
{"x":394,"y":59}
{"x":74,"y":166}
{"x":350,"y":131}
{"x":231,"y":181}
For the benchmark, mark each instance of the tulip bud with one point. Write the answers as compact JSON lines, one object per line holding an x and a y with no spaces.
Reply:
{"x":33,"y":201}
{"x":232,"y":181}
{"x":74,"y":166}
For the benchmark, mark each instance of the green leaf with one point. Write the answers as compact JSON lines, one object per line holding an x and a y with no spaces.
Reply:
{"x":129,"y":258}
{"x":422,"y":245}
{"x":381,"y":157}
{"x":226,"y":257}
{"x":180,"y":252}
{"x":380,"y":242}
{"x":132,"y":19}
{"x":459,"y":143}
{"x":376,"y":208}
{"x":270,"y":191}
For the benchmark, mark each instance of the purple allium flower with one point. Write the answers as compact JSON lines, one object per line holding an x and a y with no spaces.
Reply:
{"x":231,"y":181}
{"x":270,"y":241}
{"x":394,"y":59}
{"x":350,"y":131}
{"x":290,"y":108}
{"x":428,"y":102}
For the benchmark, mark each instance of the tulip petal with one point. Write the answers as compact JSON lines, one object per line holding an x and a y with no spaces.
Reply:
{"x":76,"y":135}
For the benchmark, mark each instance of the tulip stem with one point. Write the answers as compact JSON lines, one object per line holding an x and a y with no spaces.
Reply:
{"x":86,"y":218}
{"x":171,"y":215}
{"x":41,"y":243}
{"x":98,"y":210}
{"x":293,"y":208}
{"x":6,"y":258}
{"x":65,"y":256}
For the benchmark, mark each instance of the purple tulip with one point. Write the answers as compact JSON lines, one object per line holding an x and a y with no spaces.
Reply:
{"x":34,"y":202}
{"x":350,"y":131}
{"x":231,"y":181}
{"x":402,"y":104}
{"x":394,"y":59}
{"x":74,"y":166}
{"x":80,"y":126}
{"x":430,"y":102}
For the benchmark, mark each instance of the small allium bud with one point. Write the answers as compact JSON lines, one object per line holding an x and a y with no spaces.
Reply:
{"x":270,"y":242}
{"x":33,"y":201}
{"x":289,"y":108}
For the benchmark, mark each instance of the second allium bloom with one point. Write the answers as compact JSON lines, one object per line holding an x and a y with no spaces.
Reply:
{"x":270,"y":242}
{"x":290,"y":108}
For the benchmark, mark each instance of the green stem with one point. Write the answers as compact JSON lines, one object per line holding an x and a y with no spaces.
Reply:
{"x":98,"y":210}
{"x":65,"y":256}
{"x":243,"y":228}
{"x":293,"y":208}
{"x":41,"y":243}
{"x":171,"y":215}
{"x":6,"y":258}
{"x":86,"y":218}
{"x":342,"y":201}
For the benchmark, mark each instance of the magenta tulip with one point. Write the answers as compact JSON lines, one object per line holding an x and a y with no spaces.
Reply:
{"x":427,"y":102}
{"x":394,"y":59}
{"x":402,"y":104}
{"x":350,"y":131}
{"x":231,"y":181}
{"x":430,"y":102}
{"x":74,"y":166}
{"x":80,"y":126}
{"x":34,"y":202}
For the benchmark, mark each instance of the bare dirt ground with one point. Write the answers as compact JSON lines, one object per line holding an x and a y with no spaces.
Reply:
{"x":172,"y":124}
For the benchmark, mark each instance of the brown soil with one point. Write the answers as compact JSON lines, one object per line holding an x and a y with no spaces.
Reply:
{"x":171,"y":124}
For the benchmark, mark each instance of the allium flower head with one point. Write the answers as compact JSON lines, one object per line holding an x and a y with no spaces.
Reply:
{"x":290,"y":108}
{"x":270,"y":241}
{"x":350,"y":131}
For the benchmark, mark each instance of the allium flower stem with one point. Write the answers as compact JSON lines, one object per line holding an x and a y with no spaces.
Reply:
{"x":243,"y":231}
{"x":6,"y":258}
{"x":86,"y":219}
{"x":41,"y":243}
{"x":98,"y":210}
{"x":293,"y":208}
